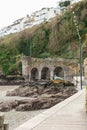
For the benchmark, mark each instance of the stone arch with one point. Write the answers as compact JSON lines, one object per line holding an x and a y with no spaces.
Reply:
{"x":45,"y":73}
{"x":34,"y":74}
{"x":58,"y":71}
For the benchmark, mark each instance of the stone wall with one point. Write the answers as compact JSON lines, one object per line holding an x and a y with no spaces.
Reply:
{"x":25,"y":66}
{"x":69,"y":67}
{"x":3,"y":126}
{"x":85,"y":68}
{"x":86,"y":100}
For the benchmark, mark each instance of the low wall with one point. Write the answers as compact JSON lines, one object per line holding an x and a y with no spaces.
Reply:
{"x":86,"y":100}
{"x":3,"y":126}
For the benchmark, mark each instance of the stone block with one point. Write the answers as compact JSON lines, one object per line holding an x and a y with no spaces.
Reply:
{"x":6,"y":126}
{"x":2,"y":125}
{"x":86,"y":100}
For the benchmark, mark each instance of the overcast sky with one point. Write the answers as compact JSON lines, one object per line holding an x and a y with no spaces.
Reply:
{"x":11,"y":10}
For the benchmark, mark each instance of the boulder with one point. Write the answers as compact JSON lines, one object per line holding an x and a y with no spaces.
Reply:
{"x":24,"y":107}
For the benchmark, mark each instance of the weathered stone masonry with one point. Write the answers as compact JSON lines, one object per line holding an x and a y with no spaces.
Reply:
{"x":3,"y":126}
{"x":36,"y":69}
{"x":85,"y":68}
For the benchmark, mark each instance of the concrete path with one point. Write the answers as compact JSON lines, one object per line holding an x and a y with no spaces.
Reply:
{"x":67,"y":115}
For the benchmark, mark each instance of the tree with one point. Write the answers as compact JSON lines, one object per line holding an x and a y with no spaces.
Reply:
{"x":64,"y":4}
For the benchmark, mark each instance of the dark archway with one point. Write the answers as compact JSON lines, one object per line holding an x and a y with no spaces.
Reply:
{"x":58,"y":71}
{"x":34,"y":74}
{"x":45,"y":73}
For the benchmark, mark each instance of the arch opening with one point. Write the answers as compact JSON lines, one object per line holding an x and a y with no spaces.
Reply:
{"x":34,"y":74}
{"x":45,"y":73}
{"x":58,"y":71}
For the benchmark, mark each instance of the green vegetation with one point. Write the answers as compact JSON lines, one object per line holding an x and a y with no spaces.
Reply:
{"x":49,"y":39}
{"x":65,"y":3}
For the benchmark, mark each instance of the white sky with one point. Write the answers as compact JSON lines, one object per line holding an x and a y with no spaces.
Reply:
{"x":11,"y":10}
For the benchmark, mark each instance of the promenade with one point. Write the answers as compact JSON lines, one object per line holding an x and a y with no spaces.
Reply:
{"x":67,"y":115}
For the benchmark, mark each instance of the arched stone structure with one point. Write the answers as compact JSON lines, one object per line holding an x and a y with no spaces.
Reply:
{"x":34,"y":74}
{"x":35,"y":68}
{"x":58,"y":71}
{"x":45,"y":73}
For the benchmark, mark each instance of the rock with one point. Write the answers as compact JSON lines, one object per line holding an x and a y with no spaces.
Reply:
{"x":43,"y":97}
{"x":5,"y":107}
{"x":22,"y":91}
{"x":13,"y":93}
{"x":40,"y":90}
{"x":24,"y":107}
{"x":40,"y":103}
{"x":70,"y":90}
{"x":24,"y":101}
{"x":8,"y":105}
{"x":3,"y":81}
{"x":43,"y":104}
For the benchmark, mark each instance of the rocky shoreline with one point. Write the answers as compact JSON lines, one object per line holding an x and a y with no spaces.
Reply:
{"x":11,"y":80}
{"x":12,"y":117}
{"x":40,"y":97}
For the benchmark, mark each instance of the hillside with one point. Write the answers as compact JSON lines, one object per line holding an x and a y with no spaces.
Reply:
{"x":57,"y":38}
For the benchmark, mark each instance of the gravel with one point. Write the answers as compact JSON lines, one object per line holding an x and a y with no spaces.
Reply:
{"x":15,"y":118}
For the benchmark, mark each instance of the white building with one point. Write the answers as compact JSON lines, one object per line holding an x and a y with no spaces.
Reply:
{"x":15,"y":27}
{"x":45,"y":14}
{"x":37,"y":17}
{"x":75,"y":1}
{"x":64,"y":7}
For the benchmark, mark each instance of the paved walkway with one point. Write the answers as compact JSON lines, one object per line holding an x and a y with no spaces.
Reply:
{"x":67,"y":115}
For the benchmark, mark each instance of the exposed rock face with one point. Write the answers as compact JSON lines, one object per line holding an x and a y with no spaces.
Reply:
{"x":40,"y":97}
